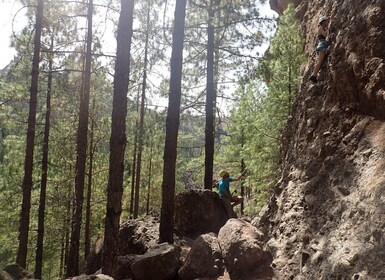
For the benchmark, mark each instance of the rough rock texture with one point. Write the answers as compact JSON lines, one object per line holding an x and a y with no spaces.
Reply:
{"x":198,"y":212}
{"x":124,"y":267}
{"x":160,"y":262}
{"x":326,"y":217}
{"x":280,"y":5}
{"x":5,"y":275}
{"x":203,"y":260}
{"x":16,"y":272}
{"x":93,"y":277}
{"x":135,"y":237}
{"x":242,"y":251}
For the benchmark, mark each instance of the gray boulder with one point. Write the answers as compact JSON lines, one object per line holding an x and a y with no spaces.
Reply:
{"x":159,"y":262}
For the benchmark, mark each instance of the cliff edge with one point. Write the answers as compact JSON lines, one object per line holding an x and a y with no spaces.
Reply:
{"x":326,"y":218}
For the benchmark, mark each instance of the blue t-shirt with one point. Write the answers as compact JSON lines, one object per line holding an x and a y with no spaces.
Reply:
{"x":224,"y":186}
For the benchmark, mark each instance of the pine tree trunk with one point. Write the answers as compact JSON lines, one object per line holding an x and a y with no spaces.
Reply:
{"x":87,"y":230}
{"x":210,"y":97}
{"x":166,"y":227}
{"x":141,"y":121}
{"x":149,"y":183}
{"x":118,"y":139}
{"x":21,"y":258}
{"x":81,"y":153}
{"x":133,"y":175}
{"x":243,"y":168}
{"x":44,"y":170}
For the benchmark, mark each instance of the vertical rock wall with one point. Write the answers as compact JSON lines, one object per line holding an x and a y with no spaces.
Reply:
{"x":326,"y":219}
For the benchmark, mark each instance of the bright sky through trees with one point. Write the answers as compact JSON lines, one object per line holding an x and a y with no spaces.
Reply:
{"x":10,"y":23}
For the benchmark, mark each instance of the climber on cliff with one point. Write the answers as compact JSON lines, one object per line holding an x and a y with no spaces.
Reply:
{"x":322,"y":46}
{"x":229,"y":201}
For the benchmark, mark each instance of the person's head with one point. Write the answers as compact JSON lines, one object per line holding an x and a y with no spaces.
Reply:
{"x":224,"y":174}
{"x":324,"y":21}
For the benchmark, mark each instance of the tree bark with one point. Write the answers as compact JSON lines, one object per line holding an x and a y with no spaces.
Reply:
{"x":166,"y":227}
{"x":87,"y":230}
{"x":44,"y":173}
{"x":21,"y":258}
{"x":210,"y":97}
{"x":118,"y":139}
{"x":149,"y":183}
{"x":141,"y":120}
{"x":81,"y":154}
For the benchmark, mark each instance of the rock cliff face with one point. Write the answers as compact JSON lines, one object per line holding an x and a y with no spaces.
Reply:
{"x":326,"y":218}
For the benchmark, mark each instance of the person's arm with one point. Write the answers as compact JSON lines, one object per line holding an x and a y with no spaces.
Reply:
{"x":238,"y":178}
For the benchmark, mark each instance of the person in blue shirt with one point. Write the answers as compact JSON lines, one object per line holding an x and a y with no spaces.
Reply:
{"x":322,"y":46}
{"x":228,"y":200}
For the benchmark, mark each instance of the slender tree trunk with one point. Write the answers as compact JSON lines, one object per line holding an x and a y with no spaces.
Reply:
{"x":210,"y":97}
{"x":141,"y":120}
{"x":166,"y":227}
{"x":81,"y":152}
{"x":87,"y":230}
{"x":44,"y":173}
{"x":66,"y":230}
{"x":243,"y":168}
{"x":149,"y":183}
{"x":21,"y":258}
{"x":118,"y":139}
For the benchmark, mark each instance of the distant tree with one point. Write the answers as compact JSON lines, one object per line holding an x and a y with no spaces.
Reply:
{"x":81,"y":152}
{"x":28,"y":163}
{"x":118,"y":139}
{"x":166,"y":227}
{"x":44,"y":174}
{"x":141,"y":117}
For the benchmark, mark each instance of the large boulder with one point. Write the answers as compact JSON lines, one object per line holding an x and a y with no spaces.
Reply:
{"x":198,"y":212}
{"x":242,"y":251}
{"x":16,"y":272}
{"x":5,"y":275}
{"x":135,"y":238}
{"x":159,"y":262}
{"x":204,"y":259}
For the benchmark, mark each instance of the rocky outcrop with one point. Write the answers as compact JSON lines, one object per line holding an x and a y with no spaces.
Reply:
{"x":326,"y":217}
{"x":198,"y":212}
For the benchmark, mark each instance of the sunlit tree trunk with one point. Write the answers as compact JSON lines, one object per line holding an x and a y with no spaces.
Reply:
{"x":81,"y":154}
{"x":44,"y":173}
{"x":21,"y":258}
{"x":118,"y":139}
{"x":172,"y":125}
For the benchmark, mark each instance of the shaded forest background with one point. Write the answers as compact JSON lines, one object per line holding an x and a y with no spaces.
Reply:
{"x":251,"y":99}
